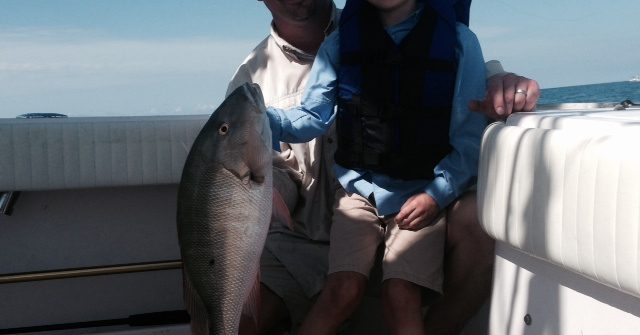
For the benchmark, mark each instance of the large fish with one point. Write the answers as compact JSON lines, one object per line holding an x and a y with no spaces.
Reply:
{"x":225,"y":205}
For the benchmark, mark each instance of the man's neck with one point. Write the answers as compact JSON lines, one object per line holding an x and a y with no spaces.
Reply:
{"x":307,"y":35}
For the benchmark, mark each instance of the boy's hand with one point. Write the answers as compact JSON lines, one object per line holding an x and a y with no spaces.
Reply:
{"x":417,"y":212}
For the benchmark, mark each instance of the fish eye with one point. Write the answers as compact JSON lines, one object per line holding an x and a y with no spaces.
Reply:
{"x":224,"y":129}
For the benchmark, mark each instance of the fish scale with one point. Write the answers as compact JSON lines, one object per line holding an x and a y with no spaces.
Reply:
{"x":223,"y":215}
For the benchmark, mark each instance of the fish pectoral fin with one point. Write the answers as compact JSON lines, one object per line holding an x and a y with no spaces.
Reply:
{"x":251,"y":307}
{"x":280,"y":212}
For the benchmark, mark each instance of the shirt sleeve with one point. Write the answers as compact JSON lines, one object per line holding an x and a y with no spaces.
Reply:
{"x":317,"y":111}
{"x":459,"y":169}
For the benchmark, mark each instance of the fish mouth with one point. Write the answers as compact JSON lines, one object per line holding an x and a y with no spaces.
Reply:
{"x":252,"y":142}
{"x":248,"y":176}
{"x":257,"y":152}
{"x":256,"y":178}
{"x":263,"y":128}
{"x":258,"y":160}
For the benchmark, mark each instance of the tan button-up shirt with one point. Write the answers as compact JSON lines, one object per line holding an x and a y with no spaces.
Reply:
{"x":281,"y":70}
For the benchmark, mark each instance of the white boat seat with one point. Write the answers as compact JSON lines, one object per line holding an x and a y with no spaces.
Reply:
{"x":63,"y":153}
{"x":564,"y":187}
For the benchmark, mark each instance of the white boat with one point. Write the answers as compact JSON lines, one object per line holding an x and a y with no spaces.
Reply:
{"x":89,"y":242}
{"x":635,"y":78}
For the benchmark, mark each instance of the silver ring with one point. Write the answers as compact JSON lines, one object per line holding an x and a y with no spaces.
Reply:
{"x":521,"y":91}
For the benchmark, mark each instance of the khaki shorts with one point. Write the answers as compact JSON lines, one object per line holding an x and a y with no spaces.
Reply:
{"x":275,"y":276}
{"x":357,"y":231}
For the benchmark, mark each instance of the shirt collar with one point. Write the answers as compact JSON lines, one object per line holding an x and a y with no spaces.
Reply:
{"x":296,"y":54}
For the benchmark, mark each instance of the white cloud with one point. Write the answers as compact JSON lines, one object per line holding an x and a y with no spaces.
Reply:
{"x":80,"y":73}
{"x":83,"y":55}
{"x":18,"y":34}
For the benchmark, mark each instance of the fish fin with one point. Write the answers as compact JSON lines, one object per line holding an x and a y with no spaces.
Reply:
{"x":280,"y":212}
{"x":195,"y":307}
{"x":251,"y":307}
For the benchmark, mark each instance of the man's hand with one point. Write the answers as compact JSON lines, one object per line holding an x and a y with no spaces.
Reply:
{"x":507,"y":93}
{"x":417,"y":212}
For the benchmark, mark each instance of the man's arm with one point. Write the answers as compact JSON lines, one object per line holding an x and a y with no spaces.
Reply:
{"x":506,"y":93}
{"x":242,"y":74}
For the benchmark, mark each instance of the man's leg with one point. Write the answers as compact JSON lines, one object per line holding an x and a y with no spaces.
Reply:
{"x":337,"y":301}
{"x":273,"y":312}
{"x":468,"y":269}
{"x":283,"y":302}
{"x":402,"y":305}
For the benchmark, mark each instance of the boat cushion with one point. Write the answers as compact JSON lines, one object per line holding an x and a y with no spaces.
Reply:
{"x":565,"y":187}
{"x":61,"y":153}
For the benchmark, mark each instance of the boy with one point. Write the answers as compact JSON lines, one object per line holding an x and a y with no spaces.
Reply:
{"x":407,"y":147}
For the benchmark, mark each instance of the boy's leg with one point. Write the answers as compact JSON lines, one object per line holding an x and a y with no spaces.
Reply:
{"x":356,"y":232}
{"x":468,"y":269}
{"x":412,"y":264}
{"x":402,"y":305}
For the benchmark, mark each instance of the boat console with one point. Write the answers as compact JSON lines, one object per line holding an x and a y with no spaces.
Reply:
{"x":559,"y":190}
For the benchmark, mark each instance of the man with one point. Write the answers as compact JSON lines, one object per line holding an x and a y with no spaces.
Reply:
{"x":294,"y":263}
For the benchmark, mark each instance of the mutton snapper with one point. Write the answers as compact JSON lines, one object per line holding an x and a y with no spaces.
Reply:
{"x":224,"y":207}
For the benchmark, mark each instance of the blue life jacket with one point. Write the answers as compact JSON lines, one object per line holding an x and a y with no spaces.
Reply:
{"x":462,"y":8}
{"x":396,"y":120}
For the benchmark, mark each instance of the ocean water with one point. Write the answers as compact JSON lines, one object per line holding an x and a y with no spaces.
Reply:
{"x":606,"y":92}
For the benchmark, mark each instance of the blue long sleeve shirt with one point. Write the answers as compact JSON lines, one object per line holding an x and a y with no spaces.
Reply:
{"x":453,"y":174}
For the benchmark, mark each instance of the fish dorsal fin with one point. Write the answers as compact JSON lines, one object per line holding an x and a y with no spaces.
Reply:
{"x":280,"y":212}
{"x":251,"y":307}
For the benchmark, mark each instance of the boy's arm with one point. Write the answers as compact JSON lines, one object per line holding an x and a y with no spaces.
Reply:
{"x":316,"y":112}
{"x":458,"y":170}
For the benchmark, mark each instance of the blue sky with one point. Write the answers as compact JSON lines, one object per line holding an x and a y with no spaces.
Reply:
{"x":561,"y":42}
{"x":145,"y":57}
